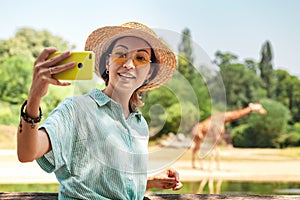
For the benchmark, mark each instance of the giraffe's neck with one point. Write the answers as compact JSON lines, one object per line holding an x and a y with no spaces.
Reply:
{"x":237,"y":114}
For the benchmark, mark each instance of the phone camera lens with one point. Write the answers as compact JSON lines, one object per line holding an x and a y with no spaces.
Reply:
{"x":80,"y":65}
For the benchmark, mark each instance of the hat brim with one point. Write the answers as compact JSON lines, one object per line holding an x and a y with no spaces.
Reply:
{"x":100,"y":40}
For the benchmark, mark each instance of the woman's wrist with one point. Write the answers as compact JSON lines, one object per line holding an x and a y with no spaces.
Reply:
{"x":32,"y":106}
{"x":28,"y":118}
{"x":148,"y":184}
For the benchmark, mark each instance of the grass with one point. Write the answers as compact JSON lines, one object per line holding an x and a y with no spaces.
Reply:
{"x":228,"y":187}
{"x":29,"y":187}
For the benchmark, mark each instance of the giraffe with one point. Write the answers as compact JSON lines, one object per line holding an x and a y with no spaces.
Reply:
{"x":215,"y":125}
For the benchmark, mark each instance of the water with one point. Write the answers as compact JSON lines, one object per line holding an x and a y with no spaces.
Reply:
{"x":261,"y":188}
{"x":234,"y":187}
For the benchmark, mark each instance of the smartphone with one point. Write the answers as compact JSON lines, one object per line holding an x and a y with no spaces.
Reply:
{"x":84,"y":66}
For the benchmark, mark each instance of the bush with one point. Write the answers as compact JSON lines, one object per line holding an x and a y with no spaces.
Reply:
{"x":291,"y":139}
{"x":263,"y":130}
{"x":239,"y":137}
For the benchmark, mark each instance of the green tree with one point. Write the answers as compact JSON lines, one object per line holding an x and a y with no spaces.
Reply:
{"x":194,"y":74}
{"x":29,"y":43}
{"x":242,"y":85}
{"x":172,"y":107}
{"x":17,"y":55}
{"x":263,"y":130}
{"x":225,"y":59}
{"x":186,"y":45}
{"x":182,"y":117}
{"x":185,"y":57}
{"x":176,"y":105}
{"x":266,"y":69}
{"x":292,"y":138}
{"x":251,"y":65}
{"x":16,"y":75}
{"x":288,"y":92}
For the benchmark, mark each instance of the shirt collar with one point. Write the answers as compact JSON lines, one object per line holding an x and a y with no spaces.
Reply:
{"x":99,"y":97}
{"x":102,"y":99}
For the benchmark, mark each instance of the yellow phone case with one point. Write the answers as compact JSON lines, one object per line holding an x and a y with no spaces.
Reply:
{"x":84,"y":66}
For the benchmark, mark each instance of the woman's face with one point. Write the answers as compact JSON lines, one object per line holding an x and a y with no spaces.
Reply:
{"x":129,"y":64}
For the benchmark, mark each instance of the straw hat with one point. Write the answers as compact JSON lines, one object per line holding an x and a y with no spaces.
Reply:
{"x":100,"y":40}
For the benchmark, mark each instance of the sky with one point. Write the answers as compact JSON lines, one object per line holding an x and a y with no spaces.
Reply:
{"x":239,"y":27}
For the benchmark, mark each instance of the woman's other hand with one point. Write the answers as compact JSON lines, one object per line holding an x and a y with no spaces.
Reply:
{"x":169,"y":179}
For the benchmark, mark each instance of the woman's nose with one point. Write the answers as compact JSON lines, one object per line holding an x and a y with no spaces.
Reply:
{"x":129,"y":64}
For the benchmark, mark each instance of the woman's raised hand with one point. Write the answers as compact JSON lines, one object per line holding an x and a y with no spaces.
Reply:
{"x":44,"y":68}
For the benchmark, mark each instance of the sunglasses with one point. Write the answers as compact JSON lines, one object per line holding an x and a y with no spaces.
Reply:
{"x":140,"y":58}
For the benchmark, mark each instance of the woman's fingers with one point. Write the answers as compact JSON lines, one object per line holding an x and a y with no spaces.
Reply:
{"x":56,"y":59}
{"x":173,"y":173}
{"x":48,"y":67}
{"x":55,"y":82}
{"x":61,"y":68}
{"x":45,"y":68}
{"x":44,"y":55}
{"x":178,"y":186}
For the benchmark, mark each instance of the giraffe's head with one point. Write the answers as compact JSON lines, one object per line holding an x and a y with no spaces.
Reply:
{"x":258,"y":108}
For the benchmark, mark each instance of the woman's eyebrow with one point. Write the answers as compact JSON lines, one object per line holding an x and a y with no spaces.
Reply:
{"x":139,"y":50}
{"x":121,"y":45}
{"x":125,"y":47}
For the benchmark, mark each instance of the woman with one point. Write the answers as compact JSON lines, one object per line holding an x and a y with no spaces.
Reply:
{"x":97,"y":143}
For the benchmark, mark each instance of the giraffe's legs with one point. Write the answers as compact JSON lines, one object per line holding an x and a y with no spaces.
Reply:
{"x":218,"y":186}
{"x":195,"y":150}
{"x":211,"y":186}
{"x":202,"y":185}
{"x":194,"y":153}
{"x":218,"y":158}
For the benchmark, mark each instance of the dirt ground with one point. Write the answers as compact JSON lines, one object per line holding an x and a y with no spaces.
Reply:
{"x":266,"y":165}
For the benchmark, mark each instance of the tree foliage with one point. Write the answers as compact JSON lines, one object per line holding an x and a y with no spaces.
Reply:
{"x":251,"y":82}
{"x":16,"y":75}
{"x":171,"y":108}
{"x":184,"y":100}
{"x":291,"y":138}
{"x":288,"y":92}
{"x":185,"y":58}
{"x":263,"y":130}
{"x":29,"y":43}
{"x":266,"y":69}
{"x":179,"y":101}
{"x":242,"y":85}
{"x":17,"y":55}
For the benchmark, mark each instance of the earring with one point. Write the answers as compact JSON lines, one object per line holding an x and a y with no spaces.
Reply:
{"x":106,"y":72}
{"x":146,"y":82}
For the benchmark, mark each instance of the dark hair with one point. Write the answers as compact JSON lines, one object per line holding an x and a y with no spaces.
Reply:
{"x":102,"y":62}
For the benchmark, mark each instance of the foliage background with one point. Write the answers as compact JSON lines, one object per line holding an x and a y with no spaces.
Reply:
{"x":173,"y":108}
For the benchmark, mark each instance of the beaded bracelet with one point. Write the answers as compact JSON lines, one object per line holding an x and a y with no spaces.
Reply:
{"x":29,"y":119}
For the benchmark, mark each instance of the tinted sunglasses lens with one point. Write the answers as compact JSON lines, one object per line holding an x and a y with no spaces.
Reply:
{"x":141,"y":59}
{"x":119,"y":58}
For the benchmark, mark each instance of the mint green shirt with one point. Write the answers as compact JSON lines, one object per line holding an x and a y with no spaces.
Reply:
{"x":96,"y":152}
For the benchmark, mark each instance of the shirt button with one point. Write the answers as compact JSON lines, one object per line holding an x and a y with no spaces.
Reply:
{"x":130,"y":178}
